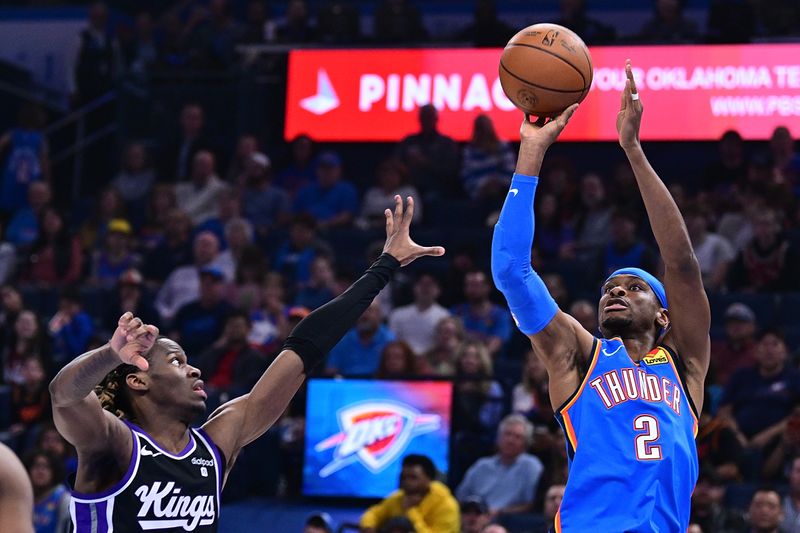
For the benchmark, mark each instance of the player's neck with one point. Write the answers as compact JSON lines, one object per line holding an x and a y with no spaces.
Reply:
{"x":638,"y":346}
{"x":169,"y":433}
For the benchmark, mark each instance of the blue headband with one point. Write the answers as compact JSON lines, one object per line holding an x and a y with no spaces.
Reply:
{"x":657,"y":286}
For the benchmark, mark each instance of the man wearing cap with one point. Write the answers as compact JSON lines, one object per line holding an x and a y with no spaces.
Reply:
{"x":200,"y":322}
{"x":738,"y":348}
{"x":116,"y":256}
{"x":331,"y":200}
{"x":264,"y":205}
{"x":474,"y":515}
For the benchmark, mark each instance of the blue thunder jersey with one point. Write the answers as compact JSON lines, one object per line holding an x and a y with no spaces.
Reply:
{"x":630,"y":431}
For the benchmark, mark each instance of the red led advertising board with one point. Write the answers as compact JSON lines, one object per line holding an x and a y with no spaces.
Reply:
{"x":689,"y":92}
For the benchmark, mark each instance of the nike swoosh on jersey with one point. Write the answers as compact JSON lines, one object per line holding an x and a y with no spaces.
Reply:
{"x":605,"y":352}
{"x":146,"y":451}
{"x":514,"y":191}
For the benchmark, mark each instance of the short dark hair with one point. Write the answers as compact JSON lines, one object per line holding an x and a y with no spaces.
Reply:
{"x":775,"y":332}
{"x":70,"y":293}
{"x":421,"y":461}
{"x":55,"y":464}
{"x":238,"y":313}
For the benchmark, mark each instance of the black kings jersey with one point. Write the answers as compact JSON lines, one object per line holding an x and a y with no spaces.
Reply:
{"x":160,"y":491}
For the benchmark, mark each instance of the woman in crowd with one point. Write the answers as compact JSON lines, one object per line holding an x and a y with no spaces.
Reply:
{"x":448,"y":336}
{"x":56,"y":257}
{"x":399,"y":362}
{"x":50,"y":496}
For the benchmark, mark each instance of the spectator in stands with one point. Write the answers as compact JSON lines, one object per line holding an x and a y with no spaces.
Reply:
{"x":738,"y":348}
{"x":71,"y":327}
{"x":30,"y":402}
{"x":136,"y":178}
{"x":731,"y":21}
{"x":730,"y":167}
{"x":10,"y":308}
{"x":447,"y":338}
{"x":416,"y":323}
{"x":398,"y":22}
{"x":246,"y":147}
{"x":239,"y":236}
{"x":8,"y":259}
{"x":231,"y":366}
{"x":531,"y":397}
{"x":359,"y":351}
{"x":338,"y":23}
{"x":592,"y":31}
{"x":301,"y":170}
{"x":399,"y":362}
{"x":708,"y":505}
{"x":557,"y":287}
{"x":23,"y":228}
{"x":174,"y":249}
{"x":95,"y":59}
{"x":431,"y":158}
{"x":321,"y":287}
{"x":50,"y":496}
{"x":228,"y":208}
{"x":109,"y":206}
{"x":199,"y":322}
{"x":765,"y":513}
{"x":161,"y":203}
{"x":552,"y":501}
{"x":55,"y":258}
{"x":130,"y":296}
{"x":28,"y":338}
{"x":586,"y":314}
{"x":263,"y":204}
{"x":718,"y":448}
{"x":486,"y":29}
{"x":487,"y":163}
{"x":759,"y":398}
{"x":142,"y":50}
{"x":668,"y":25}
{"x":177,"y":159}
{"x":593,"y":219}
{"x":392,"y":181}
{"x":625,"y":248}
{"x":318,"y":523}
{"x":330,"y":199}
{"x":474,"y":515}
{"x":222,"y":34}
{"x":26,"y":159}
{"x":791,"y":501}
{"x":785,"y":159}
{"x":293,"y":259}
{"x":779,"y":464}
{"x":51,"y":441}
{"x":116,"y":256}
{"x":298,"y":27}
{"x":183,"y":284}
{"x":270,"y":321}
{"x":713,"y":252}
{"x":427,"y":503}
{"x":483,"y":320}
{"x":767,"y":263}
{"x":258,"y":28}
{"x":555,"y":237}
{"x":507,"y":481}
{"x":200,"y":197}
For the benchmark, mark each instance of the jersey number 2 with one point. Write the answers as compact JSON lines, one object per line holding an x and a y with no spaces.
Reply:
{"x":645,"y":449}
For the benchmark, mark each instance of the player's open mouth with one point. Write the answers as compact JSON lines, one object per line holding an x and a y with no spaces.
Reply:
{"x":198,"y":389}
{"x":615,"y":305}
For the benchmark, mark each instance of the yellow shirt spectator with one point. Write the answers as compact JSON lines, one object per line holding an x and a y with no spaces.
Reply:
{"x":436,"y":512}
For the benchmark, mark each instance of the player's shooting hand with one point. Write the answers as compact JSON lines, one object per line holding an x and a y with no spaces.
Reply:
{"x":544,"y":132}
{"x":398,"y":241}
{"x":629,"y":118}
{"x":133,"y":339}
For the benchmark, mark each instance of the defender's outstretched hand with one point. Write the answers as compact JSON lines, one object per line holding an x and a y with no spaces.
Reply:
{"x":398,"y":241}
{"x":133,"y":339}
{"x":629,"y":118}
{"x":545,"y":132}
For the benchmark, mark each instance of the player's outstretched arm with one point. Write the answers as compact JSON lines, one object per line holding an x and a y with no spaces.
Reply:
{"x":689,"y":313}
{"x":244,"y":419}
{"x":555,"y":336}
{"x":77,"y":412}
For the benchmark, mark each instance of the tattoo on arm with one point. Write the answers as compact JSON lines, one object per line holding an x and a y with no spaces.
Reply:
{"x":79,"y":378}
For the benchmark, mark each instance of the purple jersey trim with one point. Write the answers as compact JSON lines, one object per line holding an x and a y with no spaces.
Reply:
{"x":187,"y":450}
{"x":217,"y":455}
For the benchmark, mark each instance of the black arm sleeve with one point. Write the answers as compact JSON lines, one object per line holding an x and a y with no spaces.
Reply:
{"x":317,"y":333}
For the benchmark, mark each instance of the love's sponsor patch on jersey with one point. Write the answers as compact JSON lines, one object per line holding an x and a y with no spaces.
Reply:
{"x":658,"y":358}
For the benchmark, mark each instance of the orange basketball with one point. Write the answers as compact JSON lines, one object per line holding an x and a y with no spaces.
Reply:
{"x":545,"y":68}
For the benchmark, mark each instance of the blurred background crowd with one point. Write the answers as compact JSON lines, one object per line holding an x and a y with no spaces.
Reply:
{"x":184,"y":205}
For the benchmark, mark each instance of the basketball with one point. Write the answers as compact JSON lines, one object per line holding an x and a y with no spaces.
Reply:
{"x":545,"y":68}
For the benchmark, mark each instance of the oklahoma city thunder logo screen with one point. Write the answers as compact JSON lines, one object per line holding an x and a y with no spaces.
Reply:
{"x":358,"y":431}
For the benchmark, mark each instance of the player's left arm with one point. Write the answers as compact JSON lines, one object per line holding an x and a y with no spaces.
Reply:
{"x":689,"y":313}
{"x":244,"y":419}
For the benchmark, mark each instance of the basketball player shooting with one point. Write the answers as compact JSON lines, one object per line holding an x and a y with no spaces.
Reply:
{"x":627,"y":401}
{"x":127,"y":408}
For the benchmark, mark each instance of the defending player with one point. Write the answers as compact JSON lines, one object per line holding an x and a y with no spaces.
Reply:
{"x":148,"y":469}
{"x":628,"y":401}
{"x":16,"y":494}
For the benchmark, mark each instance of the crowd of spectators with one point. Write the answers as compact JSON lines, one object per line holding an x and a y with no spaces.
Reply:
{"x":226,"y":252}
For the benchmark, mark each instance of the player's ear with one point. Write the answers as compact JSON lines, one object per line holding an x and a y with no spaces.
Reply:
{"x":662,"y":318}
{"x":137,"y":381}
